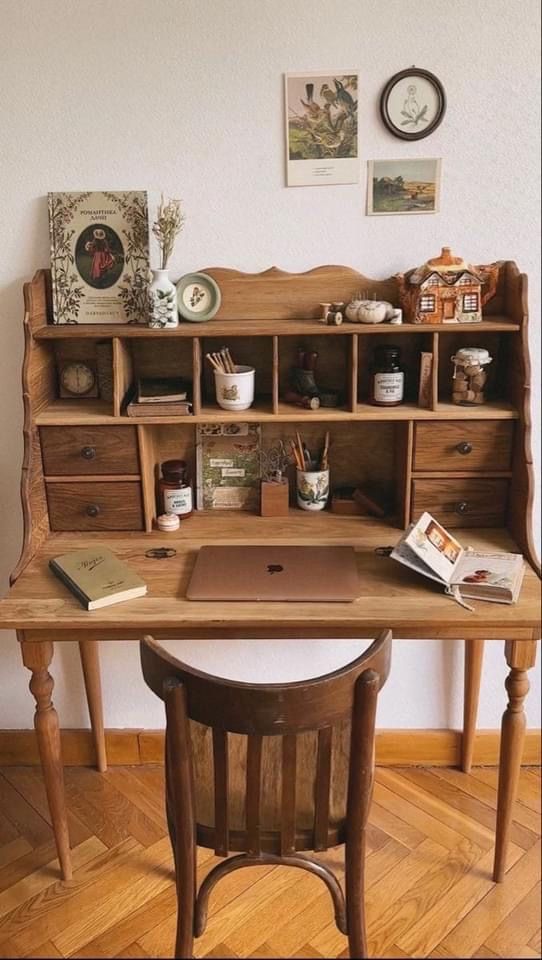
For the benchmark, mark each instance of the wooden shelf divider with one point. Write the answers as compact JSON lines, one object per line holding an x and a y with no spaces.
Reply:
{"x":276,"y":375}
{"x":196,"y":375}
{"x":353,"y":374}
{"x":123,"y":373}
{"x":434,"y":373}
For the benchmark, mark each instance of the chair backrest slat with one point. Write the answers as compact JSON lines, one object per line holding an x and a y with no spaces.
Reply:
{"x":253,"y":794}
{"x":220,"y":762}
{"x":289,"y":773}
{"x":322,"y":788}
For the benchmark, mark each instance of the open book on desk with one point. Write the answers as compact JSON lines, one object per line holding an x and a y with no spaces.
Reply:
{"x":432,"y":551}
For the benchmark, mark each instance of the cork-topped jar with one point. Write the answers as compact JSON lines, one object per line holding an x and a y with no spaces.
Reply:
{"x":470,"y":376}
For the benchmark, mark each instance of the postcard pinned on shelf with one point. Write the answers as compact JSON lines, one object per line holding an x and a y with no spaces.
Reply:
{"x":99,"y":256}
{"x":403,"y":186}
{"x":321,"y":128}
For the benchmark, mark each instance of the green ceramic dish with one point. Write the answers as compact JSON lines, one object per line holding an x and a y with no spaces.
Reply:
{"x":198,"y":297}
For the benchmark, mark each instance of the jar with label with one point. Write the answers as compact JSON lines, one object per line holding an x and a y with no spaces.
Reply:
{"x":387,"y":384}
{"x":469,"y":376}
{"x":175,"y":488}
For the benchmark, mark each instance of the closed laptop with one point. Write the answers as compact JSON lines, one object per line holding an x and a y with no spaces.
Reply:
{"x":284,"y":573}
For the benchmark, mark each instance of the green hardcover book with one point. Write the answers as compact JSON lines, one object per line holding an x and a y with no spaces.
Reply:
{"x":97,"y":577}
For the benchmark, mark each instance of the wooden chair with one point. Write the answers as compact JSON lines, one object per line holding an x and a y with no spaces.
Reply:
{"x":290,"y":740}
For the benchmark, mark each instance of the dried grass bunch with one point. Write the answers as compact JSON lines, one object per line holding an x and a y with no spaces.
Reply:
{"x":167,"y":227}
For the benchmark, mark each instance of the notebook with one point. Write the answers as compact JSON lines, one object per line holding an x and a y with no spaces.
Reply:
{"x":97,"y":577}
{"x":283,"y":573}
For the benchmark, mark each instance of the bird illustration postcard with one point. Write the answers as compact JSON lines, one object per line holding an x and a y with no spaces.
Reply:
{"x":322,"y":128}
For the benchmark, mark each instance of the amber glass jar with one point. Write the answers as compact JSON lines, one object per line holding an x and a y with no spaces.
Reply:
{"x":387,"y":385}
{"x":175,"y":488}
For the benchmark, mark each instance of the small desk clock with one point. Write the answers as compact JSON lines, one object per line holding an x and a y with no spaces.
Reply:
{"x":78,"y":379}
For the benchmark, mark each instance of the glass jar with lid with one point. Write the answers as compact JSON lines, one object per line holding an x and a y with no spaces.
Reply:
{"x":470,"y":376}
{"x":387,"y":385}
{"x":175,"y":488}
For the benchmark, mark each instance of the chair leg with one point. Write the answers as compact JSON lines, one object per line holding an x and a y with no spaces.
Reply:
{"x":355,"y":898}
{"x":184,"y":942}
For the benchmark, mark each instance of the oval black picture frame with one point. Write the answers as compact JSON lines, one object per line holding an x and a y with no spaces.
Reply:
{"x":403,"y":74}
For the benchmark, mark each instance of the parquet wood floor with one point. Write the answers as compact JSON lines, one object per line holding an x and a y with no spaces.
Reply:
{"x":430,"y":892}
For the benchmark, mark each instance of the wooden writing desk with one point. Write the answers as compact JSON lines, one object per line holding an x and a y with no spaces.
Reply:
{"x":61,"y":481}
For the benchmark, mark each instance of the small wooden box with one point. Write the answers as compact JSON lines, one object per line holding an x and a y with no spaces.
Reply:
{"x":342,"y":501}
{"x":274,"y":500}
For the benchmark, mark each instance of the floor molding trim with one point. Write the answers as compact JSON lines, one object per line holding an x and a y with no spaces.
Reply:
{"x":394,"y":748}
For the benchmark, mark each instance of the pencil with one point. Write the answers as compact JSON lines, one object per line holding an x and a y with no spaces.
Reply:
{"x":301,"y":452}
{"x":323,"y":461}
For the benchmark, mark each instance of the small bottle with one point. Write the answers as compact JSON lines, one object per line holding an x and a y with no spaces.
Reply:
{"x":387,"y":385}
{"x":175,"y":488}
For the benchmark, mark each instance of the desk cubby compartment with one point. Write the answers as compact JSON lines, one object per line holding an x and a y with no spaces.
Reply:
{"x":411,"y":347}
{"x":365,"y":454}
{"x":333,"y":372}
{"x":98,"y":356}
{"x":257,"y":352}
{"x":139,"y":358}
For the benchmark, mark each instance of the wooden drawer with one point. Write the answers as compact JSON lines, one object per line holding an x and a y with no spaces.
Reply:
{"x":89,"y":450}
{"x":95,"y":505}
{"x":463,"y":445}
{"x":461,"y":503}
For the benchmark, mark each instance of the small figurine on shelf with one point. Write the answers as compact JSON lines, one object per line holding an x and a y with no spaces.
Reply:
{"x":274,"y":483}
{"x":162,"y":292}
{"x":446,"y":289}
{"x":304,"y":390}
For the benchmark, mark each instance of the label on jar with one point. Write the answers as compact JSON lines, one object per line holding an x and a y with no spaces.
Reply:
{"x":178,"y":501}
{"x":388,"y":387}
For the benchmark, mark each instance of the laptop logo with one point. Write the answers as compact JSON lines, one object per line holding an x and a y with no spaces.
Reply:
{"x":274,"y":568}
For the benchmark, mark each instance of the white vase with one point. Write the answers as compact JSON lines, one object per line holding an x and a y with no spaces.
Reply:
{"x":163,"y":301}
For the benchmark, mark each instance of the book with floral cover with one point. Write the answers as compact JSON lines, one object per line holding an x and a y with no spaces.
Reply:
{"x":431,"y":550}
{"x":99,"y":257}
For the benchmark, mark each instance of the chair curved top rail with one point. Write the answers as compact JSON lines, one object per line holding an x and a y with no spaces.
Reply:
{"x":265,"y":709}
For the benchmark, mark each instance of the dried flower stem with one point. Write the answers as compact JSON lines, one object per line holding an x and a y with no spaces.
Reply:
{"x":166,"y":228}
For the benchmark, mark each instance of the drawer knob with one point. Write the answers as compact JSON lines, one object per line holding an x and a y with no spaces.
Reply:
{"x":464,"y":447}
{"x":461,"y":507}
{"x":88,"y":453}
{"x":93,"y":510}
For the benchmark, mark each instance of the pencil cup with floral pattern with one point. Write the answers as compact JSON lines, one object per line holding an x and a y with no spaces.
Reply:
{"x":312,"y":489}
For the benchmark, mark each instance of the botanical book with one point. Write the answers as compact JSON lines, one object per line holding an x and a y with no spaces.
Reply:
{"x":432,"y":551}
{"x":228,"y":466}
{"x":97,"y":577}
{"x":99,"y":257}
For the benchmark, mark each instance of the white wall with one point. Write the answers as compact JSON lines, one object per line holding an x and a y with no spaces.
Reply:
{"x":185,"y":96}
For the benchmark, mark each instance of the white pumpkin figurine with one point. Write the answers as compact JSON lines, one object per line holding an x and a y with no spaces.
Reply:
{"x":370,"y":311}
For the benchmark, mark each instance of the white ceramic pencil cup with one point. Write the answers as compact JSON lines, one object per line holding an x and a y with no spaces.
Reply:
{"x":235,"y":391}
{"x":312,"y":487}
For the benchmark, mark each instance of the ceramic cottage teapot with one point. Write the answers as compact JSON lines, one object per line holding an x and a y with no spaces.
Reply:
{"x":371,"y":311}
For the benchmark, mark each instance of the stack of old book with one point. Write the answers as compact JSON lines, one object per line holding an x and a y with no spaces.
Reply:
{"x":161,"y":397}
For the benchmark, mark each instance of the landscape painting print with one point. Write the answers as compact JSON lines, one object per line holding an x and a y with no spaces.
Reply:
{"x":99,"y":256}
{"x":403,"y":186}
{"x":322,"y":128}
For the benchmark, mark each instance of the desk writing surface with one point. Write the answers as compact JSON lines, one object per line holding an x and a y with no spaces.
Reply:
{"x":390,"y":594}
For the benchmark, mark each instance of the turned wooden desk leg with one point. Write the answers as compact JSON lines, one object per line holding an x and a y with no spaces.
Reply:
{"x":37,"y":657}
{"x":90,"y":661}
{"x":520,"y":657}
{"x":474,"y":656}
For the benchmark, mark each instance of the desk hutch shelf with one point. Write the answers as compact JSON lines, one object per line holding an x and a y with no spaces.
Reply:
{"x":90,"y":467}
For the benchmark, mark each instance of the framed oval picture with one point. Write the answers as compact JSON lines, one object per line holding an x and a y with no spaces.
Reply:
{"x":198,"y":297}
{"x":413,"y":104}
